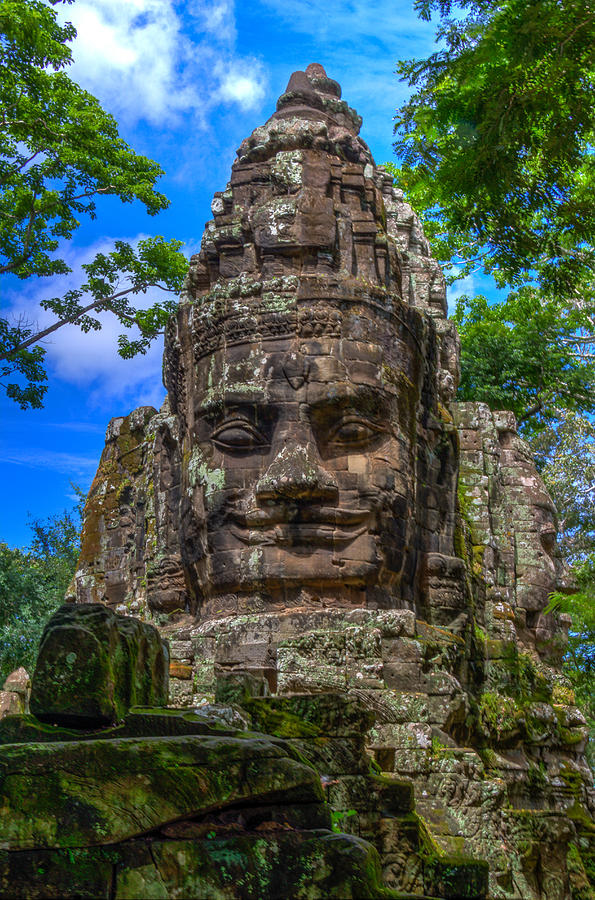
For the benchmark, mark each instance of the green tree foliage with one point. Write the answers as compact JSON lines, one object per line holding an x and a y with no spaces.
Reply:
{"x":59,"y":152}
{"x":496,"y":142}
{"x":525,"y":354}
{"x":32,"y":586}
{"x":496,"y":153}
{"x":565,"y":454}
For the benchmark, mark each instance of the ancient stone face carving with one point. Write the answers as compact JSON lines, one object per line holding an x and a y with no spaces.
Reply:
{"x":539,"y":567}
{"x":308,"y":467}
{"x":302,"y":457}
{"x":310,"y":449}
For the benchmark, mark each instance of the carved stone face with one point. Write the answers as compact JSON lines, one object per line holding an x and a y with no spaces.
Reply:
{"x":539,"y":566}
{"x":303,"y":457}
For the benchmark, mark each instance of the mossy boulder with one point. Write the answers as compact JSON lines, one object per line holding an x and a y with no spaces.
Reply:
{"x":84,"y":793}
{"x":181,"y":810}
{"x":265,"y":865}
{"x":94,"y":665}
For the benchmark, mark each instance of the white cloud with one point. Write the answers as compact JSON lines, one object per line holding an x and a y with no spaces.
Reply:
{"x":144,"y":60}
{"x":217,"y":17}
{"x":57,"y":461}
{"x":90,"y":360}
{"x":242,"y":84}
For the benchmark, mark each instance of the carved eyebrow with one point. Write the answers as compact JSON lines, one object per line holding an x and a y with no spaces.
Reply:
{"x":357,"y":395}
{"x":217,"y":399}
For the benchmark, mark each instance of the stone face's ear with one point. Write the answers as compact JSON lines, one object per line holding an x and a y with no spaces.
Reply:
{"x":116,"y":514}
{"x":166,"y":588}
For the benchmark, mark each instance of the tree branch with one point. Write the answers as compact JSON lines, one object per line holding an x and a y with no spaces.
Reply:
{"x":572,"y":33}
{"x":531,"y":412}
{"x":71,"y":320}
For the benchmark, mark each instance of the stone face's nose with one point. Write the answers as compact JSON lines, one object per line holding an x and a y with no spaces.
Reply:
{"x":295,"y":474}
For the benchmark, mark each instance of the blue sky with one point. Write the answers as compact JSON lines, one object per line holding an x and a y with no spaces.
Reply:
{"x":187,"y":81}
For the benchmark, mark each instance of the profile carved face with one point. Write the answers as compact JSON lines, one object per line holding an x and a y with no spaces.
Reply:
{"x":539,"y":564}
{"x":302,"y":469}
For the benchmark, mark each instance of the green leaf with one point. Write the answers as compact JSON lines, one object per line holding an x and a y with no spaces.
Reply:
{"x":60,"y":152}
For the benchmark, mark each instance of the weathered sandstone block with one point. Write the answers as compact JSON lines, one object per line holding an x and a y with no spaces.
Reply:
{"x":172,"y":804}
{"x":94,"y":664}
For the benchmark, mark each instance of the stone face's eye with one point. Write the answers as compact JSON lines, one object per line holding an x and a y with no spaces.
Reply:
{"x":237,"y":434}
{"x":353,"y":432}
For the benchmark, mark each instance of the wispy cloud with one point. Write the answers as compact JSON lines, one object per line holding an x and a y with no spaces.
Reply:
{"x":351,"y":21}
{"x":90,"y":360}
{"x":57,"y":461}
{"x":156,"y":59}
{"x":463,"y":287}
{"x":239,"y":85}
{"x":216,"y":17}
{"x":83,"y":427}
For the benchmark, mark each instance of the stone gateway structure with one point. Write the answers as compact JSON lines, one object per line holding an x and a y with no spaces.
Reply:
{"x":311,"y":512}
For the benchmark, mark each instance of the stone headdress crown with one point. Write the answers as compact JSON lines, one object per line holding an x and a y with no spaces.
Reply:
{"x":308,"y":227}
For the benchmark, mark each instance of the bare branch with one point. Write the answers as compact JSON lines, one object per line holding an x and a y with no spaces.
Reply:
{"x":533,"y":410}
{"x":105,"y":190}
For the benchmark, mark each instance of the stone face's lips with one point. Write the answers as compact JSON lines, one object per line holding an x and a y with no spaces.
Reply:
{"x":292,"y":513}
{"x":295,"y":524}
{"x":291,"y":534}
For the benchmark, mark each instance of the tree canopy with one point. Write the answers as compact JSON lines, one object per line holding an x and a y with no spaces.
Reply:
{"x":525,"y":355}
{"x":496,"y":142}
{"x":496,"y":153}
{"x":33,"y":582}
{"x":60,"y":152}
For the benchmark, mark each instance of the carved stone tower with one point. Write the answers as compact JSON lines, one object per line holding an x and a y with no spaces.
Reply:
{"x":310,"y":507}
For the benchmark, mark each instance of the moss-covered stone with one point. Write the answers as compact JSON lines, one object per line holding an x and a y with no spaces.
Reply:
{"x":307,"y":715}
{"x":84,"y":793}
{"x":266,"y":865}
{"x":140,"y":722}
{"x":456,"y":878}
{"x":189,"y":816}
{"x":94,"y":664}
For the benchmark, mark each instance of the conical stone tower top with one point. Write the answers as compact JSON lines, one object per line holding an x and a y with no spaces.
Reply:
{"x":307,"y":214}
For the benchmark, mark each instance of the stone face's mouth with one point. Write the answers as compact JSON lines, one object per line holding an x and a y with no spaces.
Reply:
{"x":291,"y":525}
{"x":299,"y":514}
